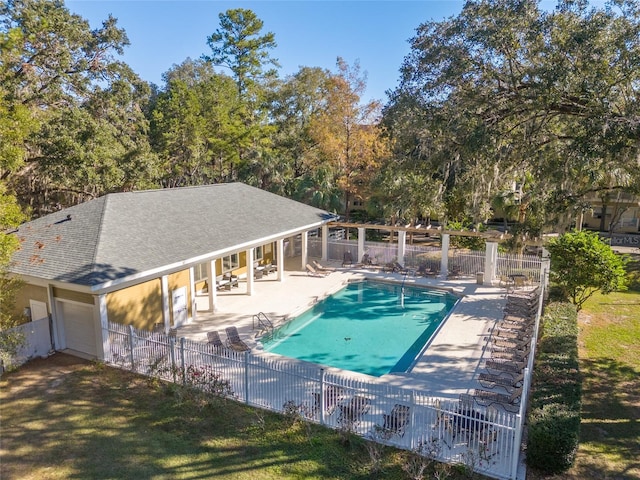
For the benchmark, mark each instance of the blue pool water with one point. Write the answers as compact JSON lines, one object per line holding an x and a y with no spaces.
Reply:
{"x":366,"y":327}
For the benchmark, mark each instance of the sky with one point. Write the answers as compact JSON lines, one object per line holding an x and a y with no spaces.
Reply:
{"x":374,"y":33}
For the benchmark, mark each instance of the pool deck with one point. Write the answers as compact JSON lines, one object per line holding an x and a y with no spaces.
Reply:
{"x":449,"y":366}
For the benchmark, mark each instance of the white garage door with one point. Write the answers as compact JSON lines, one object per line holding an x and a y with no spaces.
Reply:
{"x":79,"y":329}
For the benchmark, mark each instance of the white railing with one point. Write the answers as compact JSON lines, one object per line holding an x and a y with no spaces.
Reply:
{"x":37,"y":341}
{"x":438,"y":428}
{"x":529,"y":265}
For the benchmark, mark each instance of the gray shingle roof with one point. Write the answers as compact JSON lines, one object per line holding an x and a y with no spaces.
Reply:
{"x":124,"y":234}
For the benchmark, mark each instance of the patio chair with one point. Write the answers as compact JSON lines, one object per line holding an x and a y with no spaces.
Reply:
{"x":506,"y":282}
{"x":234,"y":342}
{"x":222,"y":282}
{"x":347,"y":259}
{"x":322,"y":268}
{"x":508,"y":402}
{"x":312,"y":272}
{"x":173,"y":333}
{"x":351,"y":413}
{"x":488,"y":380}
{"x":213,"y":338}
{"x":501,"y":366}
{"x":333,"y":395}
{"x":455,"y":272}
{"x":397,"y":420}
{"x":232,"y":279}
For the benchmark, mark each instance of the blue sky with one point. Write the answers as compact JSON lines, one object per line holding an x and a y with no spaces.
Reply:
{"x":308,"y":33}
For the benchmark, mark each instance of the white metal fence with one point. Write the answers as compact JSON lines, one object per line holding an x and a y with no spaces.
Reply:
{"x":464,"y":262}
{"x":37,"y":342}
{"x":488,"y":442}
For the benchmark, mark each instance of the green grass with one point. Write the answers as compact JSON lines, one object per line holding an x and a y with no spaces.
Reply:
{"x":63,"y":418}
{"x":610,"y":365}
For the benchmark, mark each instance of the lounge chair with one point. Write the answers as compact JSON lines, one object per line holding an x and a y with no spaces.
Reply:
{"x":396,"y":421}
{"x":321,"y":268}
{"x":347,"y":259}
{"x":233,"y":340}
{"x":506,"y":282}
{"x":455,"y":272}
{"x":488,"y":380}
{"x":232,"y":280}
{"x":508,"y":367}
{"x":213,"y":338}
{"x":222,"y":283}
{"x":333,"y":395}
{"x":351,"y":413}
{"x":508,"y":402}
{"x":312,"y":272}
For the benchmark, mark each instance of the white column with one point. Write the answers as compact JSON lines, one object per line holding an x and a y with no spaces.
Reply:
{"x":362,"y":232}
{"x":280,"y":258}
{"x":402,"y":243}
{"x":325,"y":242}
{"x":211,"y":274}
{"x":490,"y":262}
{"x":250,"y":257}
{"x":100,"y":306}
{"x":192,"y":295}
{"x":166,"y":316}
{"x":444,"y":261}
{"x":305,"y":252}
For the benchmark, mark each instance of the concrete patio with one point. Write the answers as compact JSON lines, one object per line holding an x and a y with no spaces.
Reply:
{"x":449,"y":366}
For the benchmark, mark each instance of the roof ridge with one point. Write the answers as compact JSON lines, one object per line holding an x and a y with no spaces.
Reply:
{"x":105,"y":200}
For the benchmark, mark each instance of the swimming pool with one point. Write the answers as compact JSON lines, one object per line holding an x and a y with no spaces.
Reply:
{"x":367,"y":327}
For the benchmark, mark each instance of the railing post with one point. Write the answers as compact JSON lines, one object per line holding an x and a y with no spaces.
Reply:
{"x":133,"y":365}
{"x":172,"y":352}
{"x":184,"y":372}
{"x":321,"y":406}
{"x":517,"y":437}
{"x":246,"y":378}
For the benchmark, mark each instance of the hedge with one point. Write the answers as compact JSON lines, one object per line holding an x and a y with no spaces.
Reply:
{"x":554,"y":415}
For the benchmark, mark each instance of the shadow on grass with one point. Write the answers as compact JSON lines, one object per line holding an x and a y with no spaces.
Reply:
{"x":610,"y":415}
{"x":97,"y":422}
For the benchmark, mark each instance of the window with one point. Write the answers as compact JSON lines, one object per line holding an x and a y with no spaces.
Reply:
{"x":200,"y":272}
{"x":259,"y":253}
{"x":230,"y":263}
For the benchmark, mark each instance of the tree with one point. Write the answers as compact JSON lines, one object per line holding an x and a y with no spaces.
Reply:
{"x":583,"y":264}
{"x":506,"y":90}
{"x":91,"y":134}
{"x":347,"y":134}
{"x":239,"y":46}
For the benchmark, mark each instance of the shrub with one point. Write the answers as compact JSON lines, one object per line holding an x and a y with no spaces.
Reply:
{"x":554,"y":418}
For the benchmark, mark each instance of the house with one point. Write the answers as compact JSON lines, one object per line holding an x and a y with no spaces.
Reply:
{"x":138,"y":258}
{"x":618,"y":212}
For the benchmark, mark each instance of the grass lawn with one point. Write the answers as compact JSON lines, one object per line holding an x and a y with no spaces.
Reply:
{"x":609,"y":348}
{"x":67,"y":418}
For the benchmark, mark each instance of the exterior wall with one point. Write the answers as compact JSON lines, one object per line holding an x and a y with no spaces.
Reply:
{"x":139,"y":305}
{"x":178,"y":280}
{"x":73,"y":296}
{"x":26,"y":293}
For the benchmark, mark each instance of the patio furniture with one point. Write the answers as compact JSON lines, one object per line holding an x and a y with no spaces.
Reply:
{"x":397,"y":420}
{"x":222,"y":282}
{"x":455,"y":272}
{"x":312,"y":272}
{"x":351,"y":413}
{"x":347,"y":259}
{"x":488,"y":380}
{"x":233,"y":340}
{"x":232,"y":279}
{"x":322,"y":268}
{"x":508,"y":367}
{"x":508,"y":402}
{"x":173,"y":333}
{"x":269,"y":268}
{"x":333,"y":395}
{"x":213,"y":338}
{"x":466,"y":419}
{"x":506,"y":282}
